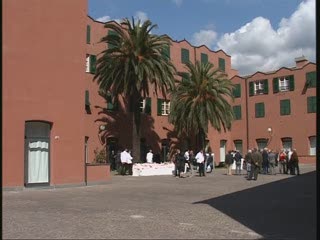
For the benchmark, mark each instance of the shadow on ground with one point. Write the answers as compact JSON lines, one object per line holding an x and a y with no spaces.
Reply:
{"x":285,"y":209}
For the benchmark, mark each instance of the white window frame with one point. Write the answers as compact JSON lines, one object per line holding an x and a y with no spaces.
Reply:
{"x":258,"y":87}
{"x":284,"y":84}
{"x":313,"y":145}
{"x":165,"y":108}
{"x":143,"y":105}
{"x":87,"y":63}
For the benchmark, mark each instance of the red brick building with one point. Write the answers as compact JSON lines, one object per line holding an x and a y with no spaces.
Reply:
{"x":54,"y":119}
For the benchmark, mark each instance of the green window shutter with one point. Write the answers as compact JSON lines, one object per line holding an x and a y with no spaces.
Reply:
{"x":204,"y":58}
{"x":87,"y":102}
{"x":275,"y":85}
{"x":92,"y":62}
{"x":237,"y":112}
{"x":265,"y":86}
{"x":88,"y":33}
{"x":111,"y":32}
{"x":311,"y":78}
{"x":312,"y":104}
{"x":185,"y":77}
{"x":285,"y":107}
{"x":147,"y":109}
{"x":159,"y":106}
{"x":291,"y":82}
{"x":184,"y":55}
{"x":222,"y":64}
{"x":251,"y":89}
{"x":166,"y":52}
{"x":259,"y":107}
{"x":237,"y":91}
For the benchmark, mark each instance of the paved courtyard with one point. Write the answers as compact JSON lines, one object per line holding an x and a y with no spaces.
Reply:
{"x":163,"y":207}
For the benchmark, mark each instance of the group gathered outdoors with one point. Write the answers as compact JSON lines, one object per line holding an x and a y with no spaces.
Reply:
{"x":187,"y":164}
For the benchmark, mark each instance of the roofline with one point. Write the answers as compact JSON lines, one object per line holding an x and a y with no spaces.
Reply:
{"x":220,"y":50}
{"x":274,"y":72}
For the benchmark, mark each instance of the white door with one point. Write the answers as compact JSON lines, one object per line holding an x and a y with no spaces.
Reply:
{"x":37,"y":152}
{"x":222,"y":150}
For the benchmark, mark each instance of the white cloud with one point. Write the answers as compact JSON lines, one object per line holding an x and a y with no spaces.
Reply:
{"x":256,"y":46}
{"x":178,"y":2}
{"x":141,"y":15}
{"x":206,"y":37}
{"x":107,"y":19}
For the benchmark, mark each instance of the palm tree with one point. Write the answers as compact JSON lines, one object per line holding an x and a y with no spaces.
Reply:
{"x":135,"y":61}
{"x":200,"y":99}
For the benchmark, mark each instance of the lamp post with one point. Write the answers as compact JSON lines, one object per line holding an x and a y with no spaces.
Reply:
{"x":270,"y":133}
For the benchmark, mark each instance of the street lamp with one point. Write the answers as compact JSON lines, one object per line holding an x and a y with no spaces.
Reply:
{"x":270,"y":132}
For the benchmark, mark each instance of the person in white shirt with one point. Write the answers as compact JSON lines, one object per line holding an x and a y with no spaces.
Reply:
{"x":123,"y":159}
{"x":129,"y":162}
{"x":187,"y":158}
{"x":149,"y":157}
{"x":200,"y":161}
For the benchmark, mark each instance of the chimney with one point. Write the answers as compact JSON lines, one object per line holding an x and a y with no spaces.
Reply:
{"x":301,"y":61}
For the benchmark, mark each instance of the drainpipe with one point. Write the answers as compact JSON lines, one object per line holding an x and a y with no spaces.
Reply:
{"x":247,"y":113}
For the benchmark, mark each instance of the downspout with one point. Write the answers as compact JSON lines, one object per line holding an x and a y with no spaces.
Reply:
{"x":247,"y":113}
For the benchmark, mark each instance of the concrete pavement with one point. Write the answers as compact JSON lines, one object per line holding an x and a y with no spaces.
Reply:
{"x":164,"y":207}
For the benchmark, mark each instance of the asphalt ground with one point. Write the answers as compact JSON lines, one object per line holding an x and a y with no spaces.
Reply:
{"x":163,"y":207}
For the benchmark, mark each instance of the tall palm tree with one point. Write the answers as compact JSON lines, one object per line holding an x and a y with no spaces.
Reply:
{"x":200,"y":99}
{"x":135,"y":61}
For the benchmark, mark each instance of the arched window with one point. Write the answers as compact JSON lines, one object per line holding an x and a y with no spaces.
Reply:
{"x":313,"y":144}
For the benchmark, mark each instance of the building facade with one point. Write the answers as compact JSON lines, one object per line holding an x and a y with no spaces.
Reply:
{"x":55,"y":119}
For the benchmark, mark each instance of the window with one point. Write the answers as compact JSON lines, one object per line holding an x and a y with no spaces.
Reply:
{"x":91,"y":63}
{"x":204,"y":58}
{"x":184,"y":55}
{"x":262,"y":143}
{"x":259,"y":107}
{"x":237,"y":91}
{"x":145,"y":106}
{"x":237,"y":112}
{"x":238,"y":145}
{"x":313,"y":144}
{"x":88,"y":34}
{"x":311,"y":78}
{"x":312,"y":104}
{"x":286,"y":143}
{"x":112,"y":102}
{"x":163,"y":107}
{"x":222,"y":64}
{"x":283,"y":84}
{"x":285,"y":107}
{"x":258,"y":87}
{"x":87,"y":102}
{"x":185,"y":77}
{"x":166,"y":52}
{"x":111,"y":33}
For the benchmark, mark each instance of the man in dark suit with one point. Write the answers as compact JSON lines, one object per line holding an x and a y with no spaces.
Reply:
{"x":256,"y":164}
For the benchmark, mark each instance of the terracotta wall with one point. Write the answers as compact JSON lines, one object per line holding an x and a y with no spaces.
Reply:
{"x":43,"y":80}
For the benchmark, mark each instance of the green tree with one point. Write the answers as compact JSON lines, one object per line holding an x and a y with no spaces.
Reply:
{"x":134,"y":62}
{"x":199,"y":99}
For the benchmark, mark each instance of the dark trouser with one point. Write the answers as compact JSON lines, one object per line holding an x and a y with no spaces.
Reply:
{"x":123,"y":168}
{"x":113,"y":165}
{"x":295,"y":166}
{"x":129,"y":167}
{"x":201,"y":169}
{"x":238,"y":168}
{"x":254,"y":172}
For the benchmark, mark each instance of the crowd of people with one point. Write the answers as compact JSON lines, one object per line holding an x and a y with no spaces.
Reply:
{"x":264,"y":161}
{"x":186,"y":164}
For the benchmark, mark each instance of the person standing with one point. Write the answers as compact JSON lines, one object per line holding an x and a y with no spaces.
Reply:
{"x":149,"y":157}
{"x":180,"y":161}
{"x":282,"y":162}
{"x":129,"y":162}
{"x":265,"y":163}
{"x":248,"y":160}
{"x":187,"y":159}
{"x":289,"y":165}
{"x":295,"y":163}
{"x":200,"y":161}
{"x":256,"y":164}
{"x":229,"y":162}
{"x":272,"y":162}
{"x":237,"y":158}
{"x":118,"y":161}
{"x":124,"y":157}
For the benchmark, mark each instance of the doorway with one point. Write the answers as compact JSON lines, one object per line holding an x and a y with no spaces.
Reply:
{"x":223,"y":150}
{"x":37,"y":153}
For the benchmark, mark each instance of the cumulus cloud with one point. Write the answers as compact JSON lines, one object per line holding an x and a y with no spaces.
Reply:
{"x":257,"y":46}
{"x":204,"y":37}
{"x":107,"y":19}
{"x":141,"y":15}
{"x":178,"y":2}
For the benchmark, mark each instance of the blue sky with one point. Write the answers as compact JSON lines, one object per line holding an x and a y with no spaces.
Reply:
{"x":260,"y":35}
